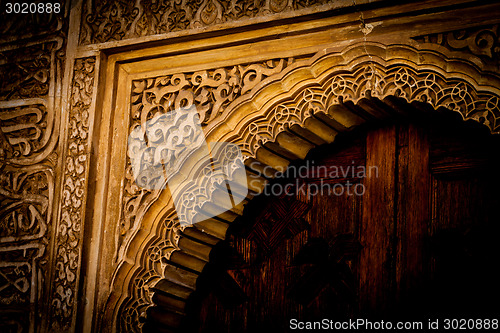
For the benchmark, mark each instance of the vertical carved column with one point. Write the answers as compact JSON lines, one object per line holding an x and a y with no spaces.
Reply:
{"x":68,"y":246}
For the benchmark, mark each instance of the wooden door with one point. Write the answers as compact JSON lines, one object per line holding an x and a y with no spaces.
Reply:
{"x":418,"y":243}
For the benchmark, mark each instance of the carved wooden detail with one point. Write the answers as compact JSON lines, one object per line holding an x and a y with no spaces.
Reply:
{"x":25,"y":138}
{"x":105,"y":21}
{"x":32,"y":49}
{"x":483,"y":41}
{"x":282,"y":221}
{"x":68,"y":245}
{"x":29,"y":122}
{"x":277,"y":110}
{"x":209,"y":92}
{"x":336,"y":92}
{"x":374,"y":82}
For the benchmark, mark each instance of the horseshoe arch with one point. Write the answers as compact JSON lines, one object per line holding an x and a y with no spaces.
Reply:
{"x":280,"y":120}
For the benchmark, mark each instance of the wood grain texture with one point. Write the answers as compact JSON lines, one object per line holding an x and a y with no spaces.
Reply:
{"x":413,"y":215}
{"x":426,"y":225}
{"x":377,"y":224}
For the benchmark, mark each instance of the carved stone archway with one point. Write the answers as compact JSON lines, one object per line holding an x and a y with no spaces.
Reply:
{"x":83,"y":247}
{"x":280,"y":120}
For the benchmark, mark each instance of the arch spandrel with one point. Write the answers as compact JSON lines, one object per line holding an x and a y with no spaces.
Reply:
{"x":309,"y":97}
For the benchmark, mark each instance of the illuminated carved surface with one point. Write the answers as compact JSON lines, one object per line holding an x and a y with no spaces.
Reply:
{"x":119,"y":19}
{"x":69,"y":230}
{"x":26,"y":195}
{"x":32,"y":58}
{"x":134,"y":309}
{"x":24,"y":127}
{"x":209,"y":91}
{"x":28,"y":121}
{"x":377,"y":82}
{"x":484,"y":41}
{"x":210,"y":181}
{"x":41,"y":246}
{"x":163,"y":141}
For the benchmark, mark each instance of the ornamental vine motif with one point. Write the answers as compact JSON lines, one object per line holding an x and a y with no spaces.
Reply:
{"x":69,"y":229}
{"x":210,"y":92}
{"x":110,"y":20}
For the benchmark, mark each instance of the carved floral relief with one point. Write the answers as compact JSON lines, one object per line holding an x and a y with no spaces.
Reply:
{"x":68,"y":245}
{"x":112,"y":20}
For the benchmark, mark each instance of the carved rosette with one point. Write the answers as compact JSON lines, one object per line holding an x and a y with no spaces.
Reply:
{"x":209,"y":91}
{"x":111,"y":20}
{"x":68,"y":245}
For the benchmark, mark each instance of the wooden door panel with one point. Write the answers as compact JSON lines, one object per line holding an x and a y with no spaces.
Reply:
{"x":377,"y":225}
{"x":426,"y":227}
{"x":412,"y":214}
